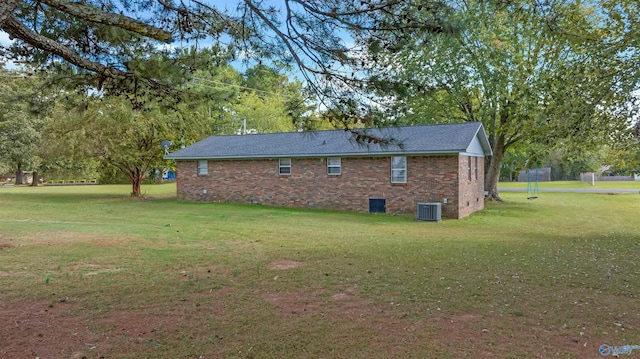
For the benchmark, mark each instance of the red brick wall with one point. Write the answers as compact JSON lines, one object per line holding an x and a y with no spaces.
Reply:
{"x":429,"y":179}
{"x":471,"y":188}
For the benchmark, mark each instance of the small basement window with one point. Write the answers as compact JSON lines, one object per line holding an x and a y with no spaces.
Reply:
{"x":284,"y":166}
{"x":334,"y":166}
{"x":203,"y":167}
{"x":377,"y":205}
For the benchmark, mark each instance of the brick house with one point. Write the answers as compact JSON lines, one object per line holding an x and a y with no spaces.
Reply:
{"x":331,"y":170}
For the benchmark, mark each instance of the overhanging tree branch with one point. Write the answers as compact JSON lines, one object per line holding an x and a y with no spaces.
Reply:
{"x":101,"y":17}
{"x":17,"y":29}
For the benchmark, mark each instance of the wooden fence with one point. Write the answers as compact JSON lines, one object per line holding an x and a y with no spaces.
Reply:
{"x":70,"y":182}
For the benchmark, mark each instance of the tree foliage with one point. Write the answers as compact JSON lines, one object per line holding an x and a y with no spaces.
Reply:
{"x":23,"y":113}
{"x":263,"y":98}
{"x":106,"y":48}
{"x":110,"y":130}
{"x":118,"y":45}
{"x":106,"y":127}
{"x":260,"y":114}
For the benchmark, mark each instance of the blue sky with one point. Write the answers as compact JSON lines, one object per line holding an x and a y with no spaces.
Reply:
{"x":4,"y":38}
{"x":4,"y":41}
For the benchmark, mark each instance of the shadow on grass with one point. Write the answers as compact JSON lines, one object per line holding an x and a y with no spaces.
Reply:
{"x":509,"y":208}
{"x":66,"y":197}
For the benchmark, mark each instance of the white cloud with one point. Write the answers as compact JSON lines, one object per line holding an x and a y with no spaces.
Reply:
{"x":4,"y":39}
{"x":5,"y":42}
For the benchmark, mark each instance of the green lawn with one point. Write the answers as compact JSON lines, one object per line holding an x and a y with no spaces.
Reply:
{"x":575,"y":184}
{"x":87,"y":272}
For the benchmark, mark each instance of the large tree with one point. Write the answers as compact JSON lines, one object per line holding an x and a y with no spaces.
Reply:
{"x":23,"y":112}
{"x":19,"y":136}
{"x":108,"y":129}
{"x":532,"y":72}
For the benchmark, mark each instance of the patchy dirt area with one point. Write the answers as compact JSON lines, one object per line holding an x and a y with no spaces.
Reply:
{"x":60,"y":328}
{"x":40,"y":329}
{"x":6,"y":242}
{"x":218,"y":322}
{"x":459,"y":336}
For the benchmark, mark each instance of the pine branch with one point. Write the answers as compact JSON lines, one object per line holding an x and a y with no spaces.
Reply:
{"x":106,"y":18}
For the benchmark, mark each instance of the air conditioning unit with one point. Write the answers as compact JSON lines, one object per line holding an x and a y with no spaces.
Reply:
{"x":430,"y":212}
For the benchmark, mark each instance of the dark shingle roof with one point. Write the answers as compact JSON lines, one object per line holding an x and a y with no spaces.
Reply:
{"x":423,"y":139}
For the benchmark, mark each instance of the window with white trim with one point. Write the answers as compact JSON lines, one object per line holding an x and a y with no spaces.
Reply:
{"x":203,"y":167}
{"x":284,"y":166}
{"x":334,"y":165}
{"x":398,"y":169}
{"x":469,"y":166}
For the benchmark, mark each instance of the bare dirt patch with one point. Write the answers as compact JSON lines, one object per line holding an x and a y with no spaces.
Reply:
{"x":488,"y":335}
{"x":339,"y":305}
{"x":461,"y":335}
{"x":5,"y":242}
{"x":284,"y":264}
{"x":41,"y":329}
{"x":63,"y":328}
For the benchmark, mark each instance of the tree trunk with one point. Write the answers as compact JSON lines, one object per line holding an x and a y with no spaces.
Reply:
{"x":34,"y":179}
{"x":19,"y":175}
{"x":136,"y":177}
{"x":493,"y":169}
{"x":135,"y":188}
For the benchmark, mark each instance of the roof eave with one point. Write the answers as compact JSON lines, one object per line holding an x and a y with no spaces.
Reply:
{"x":318,"y":155}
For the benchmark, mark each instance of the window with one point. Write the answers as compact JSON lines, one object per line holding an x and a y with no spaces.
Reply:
{"x":398,"y":170}
{"x":469,"y":167}
{"x":476,"y":168}
{"x":284,"y":166}
{"x":333,"y":166}
{"x":203,"y":167}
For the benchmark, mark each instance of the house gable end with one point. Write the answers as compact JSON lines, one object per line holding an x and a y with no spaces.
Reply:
{"x":475,"y":148}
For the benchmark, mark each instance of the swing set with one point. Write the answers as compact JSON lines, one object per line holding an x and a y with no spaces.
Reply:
{"x":532,"y":185}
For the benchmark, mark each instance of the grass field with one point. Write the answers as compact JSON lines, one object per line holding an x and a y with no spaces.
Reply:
{"x":87,"y":272}
{"x":576,"y":184}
